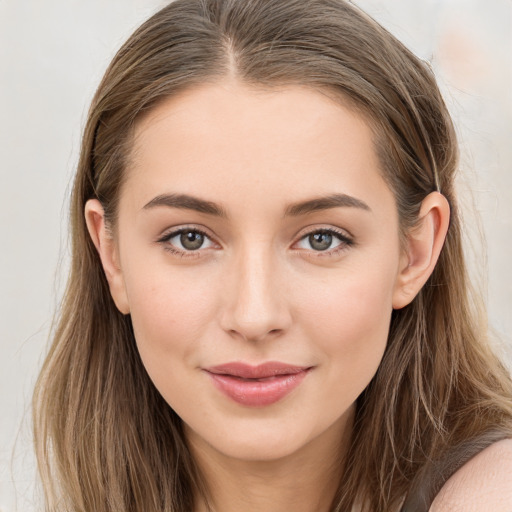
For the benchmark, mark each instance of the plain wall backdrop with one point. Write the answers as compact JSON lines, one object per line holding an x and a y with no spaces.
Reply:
{"x":52,"y":56}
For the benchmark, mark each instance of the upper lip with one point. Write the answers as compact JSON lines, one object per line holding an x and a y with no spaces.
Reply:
{"x":261,"y":371}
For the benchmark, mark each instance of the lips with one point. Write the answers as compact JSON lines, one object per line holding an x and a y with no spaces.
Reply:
{"x":259,"y":385}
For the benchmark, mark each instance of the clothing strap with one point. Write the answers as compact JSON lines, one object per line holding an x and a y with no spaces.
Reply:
{"x":434,"y":475}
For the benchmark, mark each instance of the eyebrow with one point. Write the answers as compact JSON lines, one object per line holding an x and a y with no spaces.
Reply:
{"x":325,"y":203}
{"x":188,"y":202}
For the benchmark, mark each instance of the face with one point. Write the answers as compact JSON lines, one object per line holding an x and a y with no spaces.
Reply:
{"x":258,"y":251}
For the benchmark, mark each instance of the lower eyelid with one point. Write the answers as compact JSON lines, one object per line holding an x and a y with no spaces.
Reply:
{"x":332,"y":252}
{"x":182,"y":254}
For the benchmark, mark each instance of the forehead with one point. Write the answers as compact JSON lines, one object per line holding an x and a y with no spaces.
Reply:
{"x":229,"y":140}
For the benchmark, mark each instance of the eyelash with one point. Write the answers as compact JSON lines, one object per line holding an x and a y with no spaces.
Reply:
{"x":345,"y":240}
{"x":164,"y":240}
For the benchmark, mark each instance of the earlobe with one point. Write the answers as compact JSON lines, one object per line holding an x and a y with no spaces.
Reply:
{"x":424,"y":244}
{"x":107,"y":250}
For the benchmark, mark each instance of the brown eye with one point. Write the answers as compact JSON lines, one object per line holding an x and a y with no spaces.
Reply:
{"x":191,"y":240}
{"x":186,"y":241}
{"x":328,"y":241}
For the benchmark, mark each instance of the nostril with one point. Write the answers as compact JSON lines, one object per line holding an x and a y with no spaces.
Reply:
{"x":254,"y":336}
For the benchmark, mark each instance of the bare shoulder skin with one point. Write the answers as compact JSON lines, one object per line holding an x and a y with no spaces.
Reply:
{"x":483,"y":484}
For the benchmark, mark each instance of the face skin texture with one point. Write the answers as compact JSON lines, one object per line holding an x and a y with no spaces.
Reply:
{"x":258,"y":288}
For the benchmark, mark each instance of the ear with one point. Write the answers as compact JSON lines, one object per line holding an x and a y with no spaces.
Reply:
{"x":424,"y":244}
{"x":107,"y":250}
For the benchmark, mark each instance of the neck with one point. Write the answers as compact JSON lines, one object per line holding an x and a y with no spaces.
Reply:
{"x":303,"y":481}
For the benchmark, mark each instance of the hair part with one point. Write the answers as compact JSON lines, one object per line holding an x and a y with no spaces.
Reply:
{"x":105,"y":438}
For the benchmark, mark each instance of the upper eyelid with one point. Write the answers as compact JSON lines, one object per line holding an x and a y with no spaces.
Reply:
{"x":172,"y":232}
{"x":338,"y":231}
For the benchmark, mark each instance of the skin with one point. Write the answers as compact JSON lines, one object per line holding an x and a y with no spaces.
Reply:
{"x":482,"y":484}
{"x":259,"y":289}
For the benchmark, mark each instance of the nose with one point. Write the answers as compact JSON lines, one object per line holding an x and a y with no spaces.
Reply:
{"x":255,"y":303}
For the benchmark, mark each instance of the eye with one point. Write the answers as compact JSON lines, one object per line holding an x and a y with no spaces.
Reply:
{"x":327,"y":241}
{"x":186,"y":240}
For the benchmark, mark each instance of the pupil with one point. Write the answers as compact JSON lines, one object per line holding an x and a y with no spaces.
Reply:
{"x":320,"y":241}
{"x":191,"y":240}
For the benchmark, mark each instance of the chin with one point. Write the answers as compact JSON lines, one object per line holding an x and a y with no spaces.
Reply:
{"x":261,"y":440}
{"x":260,"y":450}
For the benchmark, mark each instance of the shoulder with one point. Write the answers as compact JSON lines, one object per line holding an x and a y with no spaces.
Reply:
{"x":484,"y":483}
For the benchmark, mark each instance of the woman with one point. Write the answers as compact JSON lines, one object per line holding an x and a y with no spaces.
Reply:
{"x":268,"y":307}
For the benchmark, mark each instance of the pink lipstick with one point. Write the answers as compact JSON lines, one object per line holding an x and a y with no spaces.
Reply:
{"x":259,"y":385}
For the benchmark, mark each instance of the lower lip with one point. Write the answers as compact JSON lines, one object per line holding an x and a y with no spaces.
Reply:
{"x":258,"y":393}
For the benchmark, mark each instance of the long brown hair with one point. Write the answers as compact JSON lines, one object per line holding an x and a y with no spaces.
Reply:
{"x":105,"y":438}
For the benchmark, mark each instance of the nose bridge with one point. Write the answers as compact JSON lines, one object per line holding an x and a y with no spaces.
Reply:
{"x":255,"y":305}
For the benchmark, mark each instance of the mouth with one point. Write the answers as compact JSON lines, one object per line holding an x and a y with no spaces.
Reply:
{"x":257,"y":386}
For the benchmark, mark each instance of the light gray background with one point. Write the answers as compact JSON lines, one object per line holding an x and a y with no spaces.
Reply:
{"x":52,"y":56}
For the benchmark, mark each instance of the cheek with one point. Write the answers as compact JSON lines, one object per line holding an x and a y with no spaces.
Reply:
{"x":350,"y":323}
{"x":169,"y":313}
